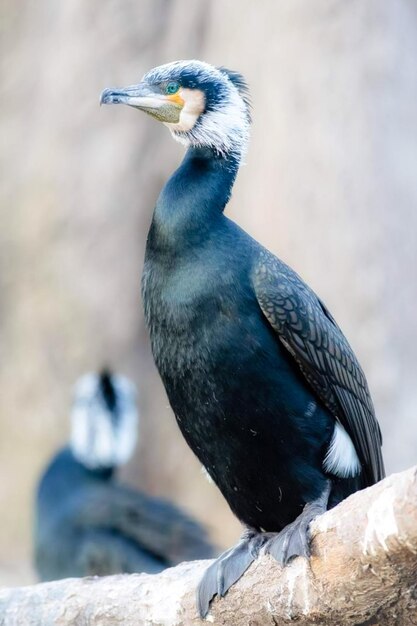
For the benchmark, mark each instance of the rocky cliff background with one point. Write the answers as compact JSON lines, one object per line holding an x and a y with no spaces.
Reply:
{"x":330,"y":185}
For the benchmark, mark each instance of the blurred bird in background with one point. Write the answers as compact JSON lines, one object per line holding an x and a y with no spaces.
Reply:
{"x":264,"y":385}
{"x":89,"y":524}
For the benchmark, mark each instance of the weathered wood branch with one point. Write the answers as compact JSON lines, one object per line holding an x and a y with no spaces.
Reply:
{"x":363,"y":572}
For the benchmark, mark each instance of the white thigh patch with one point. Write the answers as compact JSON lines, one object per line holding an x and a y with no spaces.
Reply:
{"x":341,"y":458}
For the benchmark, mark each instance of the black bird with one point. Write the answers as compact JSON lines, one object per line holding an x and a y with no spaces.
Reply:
{"x":264,"y":385}
{"x":86,"y":522}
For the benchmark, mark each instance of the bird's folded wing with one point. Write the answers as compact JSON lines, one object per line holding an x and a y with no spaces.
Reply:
{"x":157,"y":525}
{"x":102,"y":552}
{"x":312,"y":337}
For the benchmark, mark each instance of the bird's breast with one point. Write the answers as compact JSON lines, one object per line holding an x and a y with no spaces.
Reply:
{"x":189,"y":312}
{"x":237,"y":396}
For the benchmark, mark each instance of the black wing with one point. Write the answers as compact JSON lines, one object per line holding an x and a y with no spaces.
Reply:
{"x":310,"y":334}
{"x":102,"y":552}
{"x":156,"y":525}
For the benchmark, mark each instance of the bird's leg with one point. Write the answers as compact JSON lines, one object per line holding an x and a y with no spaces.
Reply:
{"x":228,"y":568}
{"x":294,"y":539}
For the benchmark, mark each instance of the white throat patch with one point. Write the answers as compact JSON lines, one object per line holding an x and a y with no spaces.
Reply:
{"x":222,"y":125}
{"x":225,"y":129}
{"x":194,"y":103}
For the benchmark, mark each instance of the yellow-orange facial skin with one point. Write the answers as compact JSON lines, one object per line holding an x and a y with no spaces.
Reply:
{"x":176,"y":98}
{"x":192,"y":103}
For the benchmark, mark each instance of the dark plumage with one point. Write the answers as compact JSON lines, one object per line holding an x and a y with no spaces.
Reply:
{"x":265,"y":387}
{"x":86,"y":522}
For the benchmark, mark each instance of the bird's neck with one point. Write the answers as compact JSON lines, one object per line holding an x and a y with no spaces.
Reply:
{"x":193,"y":199}
{"x":65,"y":474}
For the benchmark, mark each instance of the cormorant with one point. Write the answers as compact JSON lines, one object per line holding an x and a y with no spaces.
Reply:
{"x":87,"y":523}
{"x":264,"y":385}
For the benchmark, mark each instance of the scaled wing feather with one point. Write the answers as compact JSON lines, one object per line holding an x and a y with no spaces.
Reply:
{"x":309,"y":332}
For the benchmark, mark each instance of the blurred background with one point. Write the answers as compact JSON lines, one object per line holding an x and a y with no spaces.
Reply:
{"x":330,"y":185}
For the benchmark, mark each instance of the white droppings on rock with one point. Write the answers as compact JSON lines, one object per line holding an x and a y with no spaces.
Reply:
{"x":381,"y":522}
{"x":305,"y":584}
{"x":298,"y":587}
{"x":291,"y":585}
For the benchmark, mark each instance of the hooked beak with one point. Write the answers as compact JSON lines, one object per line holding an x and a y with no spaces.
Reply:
{"x":146,"y":98}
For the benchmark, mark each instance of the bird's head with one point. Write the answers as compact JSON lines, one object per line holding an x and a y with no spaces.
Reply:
{"x":202,"y":105}
{"x":104,"y":420}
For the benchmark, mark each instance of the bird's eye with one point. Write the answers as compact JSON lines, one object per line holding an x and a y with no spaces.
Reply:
{"x":172,"y":88}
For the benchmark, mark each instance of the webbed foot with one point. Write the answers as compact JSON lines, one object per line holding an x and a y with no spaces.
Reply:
{"x":227,"y":569}
{"x":294,"y":539}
